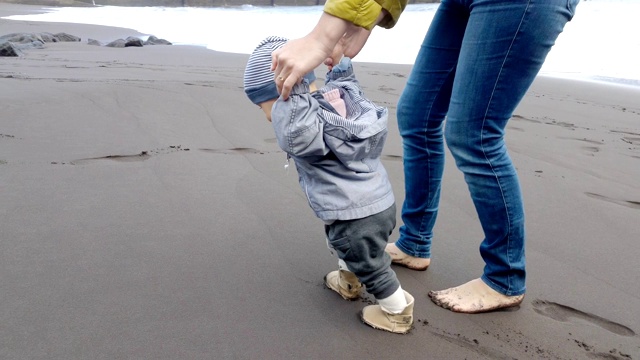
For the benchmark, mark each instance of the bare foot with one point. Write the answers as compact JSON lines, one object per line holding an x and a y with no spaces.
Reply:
{"x":411,"y":262}
{"x":473,"y":297}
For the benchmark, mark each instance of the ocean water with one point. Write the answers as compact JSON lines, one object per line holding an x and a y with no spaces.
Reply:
{"x":601,"y":43}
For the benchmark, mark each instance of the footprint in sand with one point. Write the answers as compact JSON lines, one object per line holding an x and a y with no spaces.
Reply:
{"x":473,"y":345}
{"x":386,"y":89}
{"x":591,"y":149}
{"x":565,"y":313}
{"x":631,"y":140}
{"x":142,"y":156}
{"x":628,"y":203}
{"x":595,"y":142}
{"x":121,"y":158}
{"x":238,"y":150}
{"x":634,"y":139}
{"x":624,"y":132}
{"x":563,"y":124}
{"x":392,"y":157}
{"x":545,"y":120}
{"x":520,"y":117}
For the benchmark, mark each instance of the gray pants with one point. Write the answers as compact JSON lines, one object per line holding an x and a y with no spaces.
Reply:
{"x":360,"y":243}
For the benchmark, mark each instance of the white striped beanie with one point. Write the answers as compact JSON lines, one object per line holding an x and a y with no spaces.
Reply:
{"x":259,"y":84}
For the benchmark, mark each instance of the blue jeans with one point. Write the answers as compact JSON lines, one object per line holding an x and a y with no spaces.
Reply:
{"x":476,"y":63}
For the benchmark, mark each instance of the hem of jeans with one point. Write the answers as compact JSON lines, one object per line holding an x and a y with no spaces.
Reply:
{"x":404,"y":249}
{"x":501,"y":290}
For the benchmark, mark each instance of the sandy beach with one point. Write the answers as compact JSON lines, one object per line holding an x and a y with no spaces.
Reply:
{"x":146,"y":214}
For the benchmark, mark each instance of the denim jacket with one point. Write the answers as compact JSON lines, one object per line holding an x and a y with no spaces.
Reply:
{"x":337,"y":158}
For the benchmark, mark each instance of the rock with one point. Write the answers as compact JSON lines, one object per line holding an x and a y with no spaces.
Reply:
{"x":43,"y":37}
{"x":24,"y":38}
{"x":116,"y":43}
{"x":7,"y":48}
{"x":12,"y":44}
{"x":133,"y":41}
{"x":66,"y":37}
{"x":130,"y":41}
{"x":152,"y":40}
{"x":48,"y":37}
{"x":10,"y":37}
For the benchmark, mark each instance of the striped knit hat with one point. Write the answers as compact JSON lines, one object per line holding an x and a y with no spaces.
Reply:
{"x":259,"y":84}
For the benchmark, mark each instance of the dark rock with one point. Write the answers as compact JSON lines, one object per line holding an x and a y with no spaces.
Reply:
{"x":116,"y":43}
{"x":23,"y":38}
{"x":35,"y":44}
{"x":133,"y":41}
{"x":13,"y":43}
{"x":43,"y":37}
{"x":152,"y":40}
{"x":48,"y":37}
{"x":7,"y":48}
{"x":66,"y":37}
{"x":9,"y":37}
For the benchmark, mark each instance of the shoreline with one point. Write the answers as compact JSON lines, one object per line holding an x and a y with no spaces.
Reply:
{"x":180,"y":3}
{"x":146,"y":214}
{"x":582,"y":71}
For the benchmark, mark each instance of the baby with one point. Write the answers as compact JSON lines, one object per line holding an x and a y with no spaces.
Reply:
{"x":335,"y":137}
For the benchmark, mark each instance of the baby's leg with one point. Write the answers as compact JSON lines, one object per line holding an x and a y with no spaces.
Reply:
{"x":394,"y":304}
{"x":361,"y":244}
{"x":342,"y":281}
{"x":379,"y":318}
{"x":345,"y":283}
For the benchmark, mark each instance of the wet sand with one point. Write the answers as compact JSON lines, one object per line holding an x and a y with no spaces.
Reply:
{"x":146,"y":214}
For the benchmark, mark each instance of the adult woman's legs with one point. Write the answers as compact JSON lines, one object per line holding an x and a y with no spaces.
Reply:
{"x":503,"y":48}
{"x":421,"y":112}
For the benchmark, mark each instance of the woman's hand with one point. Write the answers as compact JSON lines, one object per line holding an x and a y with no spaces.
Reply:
{"x":351,"y":42}
{"x":331,"y":39}
{"x":349,"y":45}
{"x":295,"y":59}
{"x":299,"y":56}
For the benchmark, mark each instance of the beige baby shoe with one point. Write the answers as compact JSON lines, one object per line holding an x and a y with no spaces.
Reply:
{"x":376,"y":317}
{"x":344,"y":283}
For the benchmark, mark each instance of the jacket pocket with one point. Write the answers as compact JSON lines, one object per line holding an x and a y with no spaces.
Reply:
{"x":342,"y":246}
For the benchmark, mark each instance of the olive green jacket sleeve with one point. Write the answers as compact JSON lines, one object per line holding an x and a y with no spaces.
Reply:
{"x":364,"y":13}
